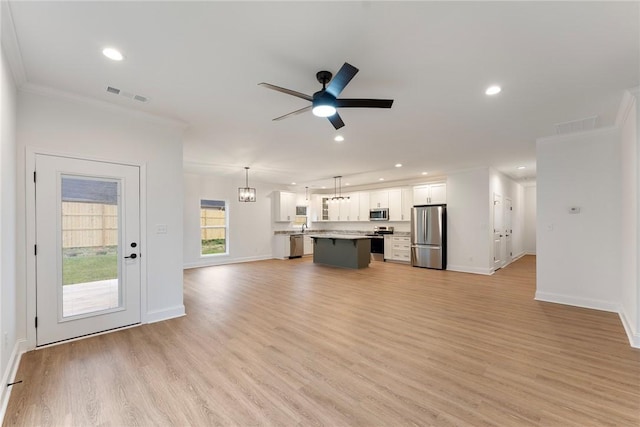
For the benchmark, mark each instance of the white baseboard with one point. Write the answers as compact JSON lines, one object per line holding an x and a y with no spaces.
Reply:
{"x":518,"y":256}
{"x":632,"y":334}
{"x":166,"y":314}
{"x":529,"y":253}
{"x":223,"y":260}
{"x":467,"y":269}
{"x":578,"y":301}
{"x":9,"y":375}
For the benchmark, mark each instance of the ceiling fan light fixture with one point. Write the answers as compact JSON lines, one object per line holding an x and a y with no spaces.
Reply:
{"x":323,"y":110}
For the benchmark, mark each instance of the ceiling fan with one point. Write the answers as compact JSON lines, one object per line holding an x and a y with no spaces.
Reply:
{"x":325,"y":102}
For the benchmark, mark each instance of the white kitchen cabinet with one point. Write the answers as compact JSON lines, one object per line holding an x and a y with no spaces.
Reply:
{"x":400,"y":203}
{"x":351,"y":208}
{"x":281,"y":246}
{"x":395,"y":204}
{"x":397,"y":248}
{"x":379,"y":199}
{"x":285,"y":206}
{"x":363,"y":206}
{"x":308,"y":245}
{"x":334,"y":210}
{"x":430,"y":194}
{"x":407,"y":203}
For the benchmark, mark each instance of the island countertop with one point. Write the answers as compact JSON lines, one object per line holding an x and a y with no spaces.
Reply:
{"x":341,"y":250}
{"x":338,"y":236}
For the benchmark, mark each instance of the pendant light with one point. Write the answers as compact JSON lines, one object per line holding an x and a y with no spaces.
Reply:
{"x":246,"y":193}
{"x":337,"y":190}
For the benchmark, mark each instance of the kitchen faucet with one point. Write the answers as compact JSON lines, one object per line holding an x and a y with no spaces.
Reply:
{"x":304,"y":225}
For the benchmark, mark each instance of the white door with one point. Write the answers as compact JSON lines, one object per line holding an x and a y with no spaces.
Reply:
{"x":508,"y":230}
{"x":498,"y":258}
{"x":87,"y":247}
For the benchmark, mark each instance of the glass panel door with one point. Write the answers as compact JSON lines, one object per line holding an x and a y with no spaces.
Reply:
{"x":88,"y":268}
{"x":90,"y":223}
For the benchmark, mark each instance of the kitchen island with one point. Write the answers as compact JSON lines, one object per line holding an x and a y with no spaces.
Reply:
{"x":342,"y":250}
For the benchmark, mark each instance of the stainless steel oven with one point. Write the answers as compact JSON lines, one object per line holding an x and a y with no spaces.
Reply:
{"x":377,"y":242}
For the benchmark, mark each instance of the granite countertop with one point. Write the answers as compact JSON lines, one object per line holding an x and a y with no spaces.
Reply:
{"x":339,"y":236}
{"x":324,"y":233}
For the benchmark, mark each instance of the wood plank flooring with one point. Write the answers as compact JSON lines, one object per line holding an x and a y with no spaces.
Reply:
{"x":287,"y":342}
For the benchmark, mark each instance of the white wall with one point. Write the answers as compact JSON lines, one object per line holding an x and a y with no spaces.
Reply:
{"x":468,"y":222}
{"x":628,"y":121}
{"x":59,"y":123}
{"x":578,"y":255}
{"x":529,"y":242}
{"x":8,"y":280}
{"x":250,"y":224}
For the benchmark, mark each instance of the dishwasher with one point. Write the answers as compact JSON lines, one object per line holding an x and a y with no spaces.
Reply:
{"x":296,"y":245}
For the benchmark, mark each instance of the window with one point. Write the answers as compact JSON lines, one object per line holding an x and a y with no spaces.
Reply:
{"x":213,"y":227}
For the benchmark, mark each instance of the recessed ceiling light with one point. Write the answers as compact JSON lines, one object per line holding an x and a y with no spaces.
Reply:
{"x":293,"y":183}
{"x":323,"y":187}
{"x":380,"y":179}
{"x":521,"y":167}
{"x":347,"y":183}
{"x":425,"y":173}
{"x":112,"y":53}
{"x":493,"y":90}
{"x":398,"y":165}
{"x":339,"y":138}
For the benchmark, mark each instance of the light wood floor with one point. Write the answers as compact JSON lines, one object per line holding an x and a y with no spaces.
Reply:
{"x":292,"y":343}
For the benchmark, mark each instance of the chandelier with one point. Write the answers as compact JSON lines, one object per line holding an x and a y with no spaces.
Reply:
{"x":337,"y":190}
{"x":246,"y":193}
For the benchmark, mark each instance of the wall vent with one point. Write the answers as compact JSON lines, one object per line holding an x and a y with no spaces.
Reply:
{"x":129,"y":95}
{"x":580,"y":125}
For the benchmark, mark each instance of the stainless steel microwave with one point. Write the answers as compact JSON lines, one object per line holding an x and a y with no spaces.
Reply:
{"x":379,"y":214}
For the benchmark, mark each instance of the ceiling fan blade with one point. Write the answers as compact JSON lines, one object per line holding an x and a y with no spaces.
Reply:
{"x":336,"y":121}
{"x":364,"y":103}
{"x":293,"y":113}
{"x":341,"y":79}
{"x":287,"y":91}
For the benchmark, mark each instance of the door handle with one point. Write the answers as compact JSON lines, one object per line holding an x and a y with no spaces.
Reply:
{"x":132,"y":256}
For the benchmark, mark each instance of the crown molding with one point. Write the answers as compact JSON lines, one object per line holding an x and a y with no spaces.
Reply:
{"x":10,"y":45}
{"x":104,"y":105}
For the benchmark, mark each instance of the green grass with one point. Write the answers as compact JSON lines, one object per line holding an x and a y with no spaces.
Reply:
{"x":82,"y":265}
{"x":213,"y":246}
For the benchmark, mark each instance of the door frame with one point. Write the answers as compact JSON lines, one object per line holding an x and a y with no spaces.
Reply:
{"x":30,"y":237}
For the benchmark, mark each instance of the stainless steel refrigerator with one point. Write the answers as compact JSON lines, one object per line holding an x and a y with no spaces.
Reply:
{"x":429,"y":236}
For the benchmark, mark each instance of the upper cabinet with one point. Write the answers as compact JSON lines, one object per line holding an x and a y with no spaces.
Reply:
{"x":395,"y":204}
{"x":379,"y":199}
{"x":363,"y":207}
{"x":398,"y":200}
{"x":407,"y":203}
{"x":430,"y":194}
{"x":285,"y":206}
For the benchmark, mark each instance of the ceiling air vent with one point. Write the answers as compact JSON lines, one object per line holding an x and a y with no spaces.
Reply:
{"x":129,"y":95}
{"x":579,"y":125}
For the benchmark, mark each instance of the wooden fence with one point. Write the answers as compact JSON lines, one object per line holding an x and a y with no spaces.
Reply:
{"x":96,"y":224}
{"x":212,"y":217}
{"x":89,"y":225}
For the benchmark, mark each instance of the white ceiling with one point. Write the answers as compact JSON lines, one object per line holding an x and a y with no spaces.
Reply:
{"x":201,"y":62}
